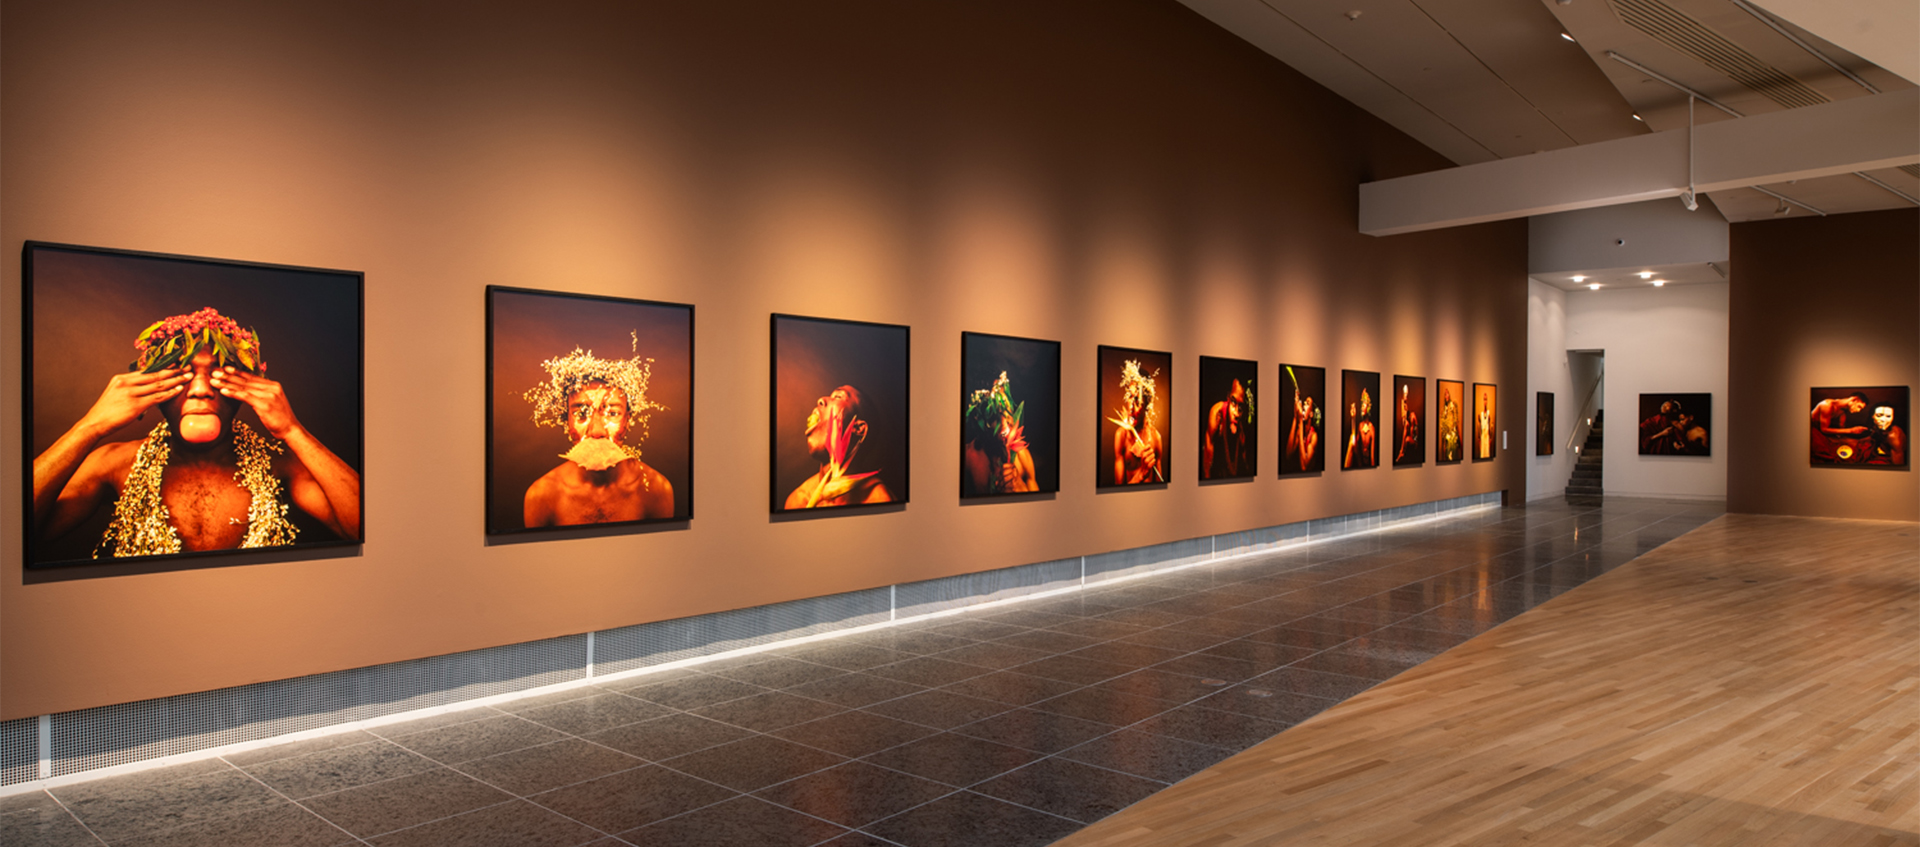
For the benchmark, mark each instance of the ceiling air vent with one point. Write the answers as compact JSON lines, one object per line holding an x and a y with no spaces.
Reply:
{"x":1673,"y":28}
{"x":1911,"y":170}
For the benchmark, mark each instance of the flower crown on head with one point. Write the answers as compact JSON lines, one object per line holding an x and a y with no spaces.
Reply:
{"x":171,"y":342}
{"x":566,"y":374}
{"x":1137,"y":389}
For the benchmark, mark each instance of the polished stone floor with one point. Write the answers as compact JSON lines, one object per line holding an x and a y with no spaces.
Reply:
{"x":1013,"y":725}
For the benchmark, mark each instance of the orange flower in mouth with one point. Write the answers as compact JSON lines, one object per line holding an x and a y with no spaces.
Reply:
{"x":843,"y":444}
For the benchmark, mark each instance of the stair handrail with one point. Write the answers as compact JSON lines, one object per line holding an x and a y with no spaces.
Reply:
{"x":1583,"y":423}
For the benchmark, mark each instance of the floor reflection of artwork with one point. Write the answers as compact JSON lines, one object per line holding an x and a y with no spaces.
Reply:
{"x":1304,"y":388}
{"x":1009,"y":415}
{"x":1136,"y":389}
{"x":1449,"y":409}
{"x":839,"y":424}
{"x":1676,"y":425}
{"x":1409,"y":420}
{"x":1360,"y":420}
{"x":1865,"y":427}
{"x":1229,"y":431}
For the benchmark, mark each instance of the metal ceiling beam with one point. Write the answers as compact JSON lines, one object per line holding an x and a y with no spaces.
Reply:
{"x":1880,"y":31}
{"x":1859,"y":134}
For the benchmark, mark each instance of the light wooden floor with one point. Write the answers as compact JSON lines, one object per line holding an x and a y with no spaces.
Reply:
{"x":1750,"y":683}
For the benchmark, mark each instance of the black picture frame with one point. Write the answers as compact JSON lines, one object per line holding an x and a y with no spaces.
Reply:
{"x":1359,"y":420}
{"x":528,"y":328}
{"x":1675,"y":424}
{"x":1304,"y":427}
{"x":1232,"y":449}
{"x":82,"y":305}
{"x":811,"y":359}
{"x":1543,"y":423}
{"x":1486,"y":422}
{"x":1450,"y":411}
{"x":1889,"y":447}
{"x":1032,"y":368}
{"x":1410,"y":429}
{"x":1156,"y":369}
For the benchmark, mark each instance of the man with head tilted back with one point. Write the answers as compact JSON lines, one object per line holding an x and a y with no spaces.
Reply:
{"x":602,"y":405}
{"x":835,"y":432}
{"x":200,"y":479}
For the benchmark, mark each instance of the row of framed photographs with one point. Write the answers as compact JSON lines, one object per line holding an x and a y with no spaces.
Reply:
{"x":239,"y":424}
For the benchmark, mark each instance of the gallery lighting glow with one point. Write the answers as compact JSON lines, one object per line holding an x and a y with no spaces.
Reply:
{"x":1646,"y":274}
{"x":1579,"y":278}
{"x":1593,"y":286}
{"x":1659,"y":282}
{"x":1636,"y":116}
{"x":1566,"y":36}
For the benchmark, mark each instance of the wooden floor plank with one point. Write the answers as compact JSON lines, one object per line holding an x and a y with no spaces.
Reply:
{"x":1756,"y":681}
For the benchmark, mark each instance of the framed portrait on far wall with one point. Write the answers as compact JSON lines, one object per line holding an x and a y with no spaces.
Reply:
{"x":1009,"y":415}
{"x":1229,"y":429}
{"x":1543,"y":423}
{"x":840,"y":403}
{"x":1359,"y":420}
{"x":1676,"y":424}
{"x":180,"y":406}
{"x":589,"y":410}
{"x":1450,"y":410}
{"x":1303,"y":448}
{"x":1135,"y":422}
{"x":1861,"y":427}
{"x":1486,"y":422}
{"x":1409,"y":421}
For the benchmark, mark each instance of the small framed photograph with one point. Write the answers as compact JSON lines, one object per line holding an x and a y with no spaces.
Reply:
{"x":1860,"y":427}
{"x":1009,"y":415}
{"x":1409,"y":421}
{"x":589,"y":410}
{"x":1543,"y":423}
{"x":1486,"y":422}
{"x":1676,"y":424}
{"x":1304,"y":449}
{"x":1359,"y":420}
{"x":182,"y":406}
{"x":1449,"y":409}
{"x":1229,"y":429}
{"x":840,"y":414}
{"x":1135,"y":423}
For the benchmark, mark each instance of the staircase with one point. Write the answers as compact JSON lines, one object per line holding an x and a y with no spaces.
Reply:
{"x":1584,"y":488}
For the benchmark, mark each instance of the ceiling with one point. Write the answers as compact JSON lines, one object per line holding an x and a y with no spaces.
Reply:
{"x":1479,"y":80}
{"x":1690,"y":273}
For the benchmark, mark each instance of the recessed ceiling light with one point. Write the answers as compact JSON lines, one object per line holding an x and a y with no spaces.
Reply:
{"x":1646,"y":274}
{"x":1579,"y":278}
{"x":1659,"y":282}
{"x":1566,"y":36}
{"x":1636,"y":116}
{"x":1593,"y":286}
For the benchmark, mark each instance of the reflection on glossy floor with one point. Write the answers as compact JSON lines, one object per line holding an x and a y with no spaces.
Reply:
{"x":1752,"y":684}
{"x":1009,"y":726}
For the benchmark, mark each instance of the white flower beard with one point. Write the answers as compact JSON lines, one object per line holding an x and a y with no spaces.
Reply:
{"x":596,"y":454}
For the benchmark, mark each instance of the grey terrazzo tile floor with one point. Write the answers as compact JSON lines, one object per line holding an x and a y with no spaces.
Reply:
{"x":1013,"y":725}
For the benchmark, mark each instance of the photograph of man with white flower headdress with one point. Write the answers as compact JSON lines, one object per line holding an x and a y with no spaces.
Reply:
{"x":839,"y":427}
{"x":590,"y":410}
{"x":195,"y":445}
{"x":1136,"y":389}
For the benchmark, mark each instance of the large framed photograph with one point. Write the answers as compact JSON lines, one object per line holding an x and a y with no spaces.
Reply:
{"x":1450,"y":410}
{"x":1136,"y":389}
{"x":1543,"y":423}
{"x":589,"y":410}
{"x":1359,"y":420}
{"x":1676,"y":424}
{"x":1409,"y":420}
{"x":1305,"y":387}
{"x":1860,"y":427}
{"x":181,"y":406}
{"x":1486,"y":422}
{"x":1229,"y":429}
{"x":1009,"y":415}
{"x":840,"y":414}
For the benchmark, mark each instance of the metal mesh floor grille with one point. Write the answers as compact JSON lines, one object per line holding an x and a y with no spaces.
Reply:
{"x":132,"y":732}
{"x":19,"y":756}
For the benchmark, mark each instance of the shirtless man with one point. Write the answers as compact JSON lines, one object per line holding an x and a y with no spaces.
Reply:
{"x":1362,"y":452}
{"x":1449,"y":428}
{"x":1409,"y":430}
{"x":1485,"y":442}
{"x":599,"y":403}
{"x":1886,"y":444}
{"x":199,"y":480}
{"x":1833,"y":436}
{"x":835,"y":432}
{"x":1224,"y":451}
{"x":995,"y":458}
{"x":1302,"y":439}
{"x":1136,"y":442}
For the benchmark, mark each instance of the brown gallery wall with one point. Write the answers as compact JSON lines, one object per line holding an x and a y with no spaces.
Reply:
{"x":1818,"y":302}
{"x":1094,"y":172}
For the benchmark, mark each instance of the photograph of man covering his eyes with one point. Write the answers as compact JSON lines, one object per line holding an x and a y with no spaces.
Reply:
{"x":235,"y":425}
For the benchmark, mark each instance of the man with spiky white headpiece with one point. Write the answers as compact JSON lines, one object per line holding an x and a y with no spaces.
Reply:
{"x":1137,"y":442}
{"x":601,"y":404}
